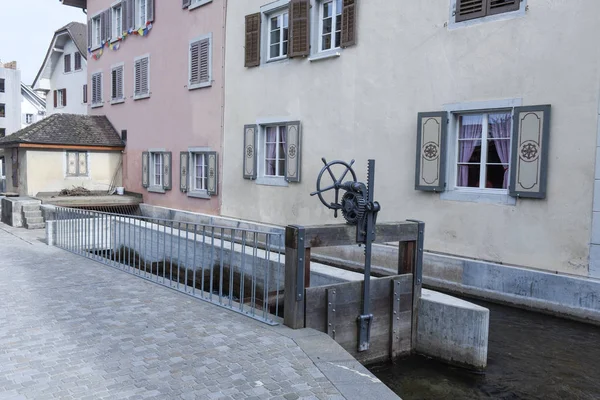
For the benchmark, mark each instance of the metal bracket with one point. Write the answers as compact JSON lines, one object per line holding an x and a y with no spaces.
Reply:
{"x":331,"y":304}
{"x":300,"y":269}
{"x":364,"y":331}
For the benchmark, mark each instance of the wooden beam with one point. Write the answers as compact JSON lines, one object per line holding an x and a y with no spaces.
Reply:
{"x":67,"y":147}
{"x":341,"y":235}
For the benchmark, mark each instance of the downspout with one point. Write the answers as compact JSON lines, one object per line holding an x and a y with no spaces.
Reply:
{"x":222,"y":145}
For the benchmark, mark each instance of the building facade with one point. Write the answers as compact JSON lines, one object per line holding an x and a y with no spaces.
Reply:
{"x":476,"y":125}
{"x":156,"y":71}
{"x":62,"y":78}
{"x":33,"y":106}
{"x":10,"y":99}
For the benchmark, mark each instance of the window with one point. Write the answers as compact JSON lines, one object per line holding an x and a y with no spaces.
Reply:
{"x":116,"y":85}
{"x":278,"y":35}
{"x":67,"y":62}
{"x":28,"y":118}
{"x":483,"y":150}
{"x":60,"y":98}
{"x":198,"y":3}
{"x":2,"y":132}
{"x":199,"y":172}
{"x":2,"y":110}
{"x":1,"y":85}
{"x":471,"y":9}
{"x":77,"y":61}
{"x":200,"y":68}
{"x":85,"y":94}
{"x":117,"y":21}
{"x":96,"y":32}
{"x":141,"y":77}
{"x":77,"y":163}
{"x":274,"y":151}
{"x":156,"y":174}
{"x":330,"y":25}
{"x":141,"y":13}
{"x":97,"y":89}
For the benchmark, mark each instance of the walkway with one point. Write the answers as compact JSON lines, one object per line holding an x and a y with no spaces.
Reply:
{"x":72,"y":328}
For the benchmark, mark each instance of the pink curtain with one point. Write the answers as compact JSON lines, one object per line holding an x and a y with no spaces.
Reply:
{"x":500,"y":125}
{"x":470,"y":133}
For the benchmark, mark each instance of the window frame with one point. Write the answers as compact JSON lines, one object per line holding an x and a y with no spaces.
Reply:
{"x":77,"y":154}
{"x":210,"y":62}
{"x":67,"y":66}
{"x":2,"y":132}
{"x":279,"y":13}
{"x":198,"y":3}
{"x":152,"y":185}
{"x":100,"y":103}
{"x":116,"y":32}
{"x":28,"y":118}
{"x":135,"y":60}
{"x":113,"y":68}
{"x":96,"y":31}
{"x":2,"y":85}
{"x":261,"y":177}
{"x":334,"y":26}
{"x":3,"y":108}
{"x":138,"y":14}
{"x":77,"y":56}
{"x":453,"y":24}
{"x":61,"y":95}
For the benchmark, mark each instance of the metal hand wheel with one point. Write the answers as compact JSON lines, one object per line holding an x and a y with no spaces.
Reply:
{"x":337,"y":183}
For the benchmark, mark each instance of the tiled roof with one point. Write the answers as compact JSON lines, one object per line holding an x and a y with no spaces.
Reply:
{"x":78,"y":32}
{"x":68,"y":129}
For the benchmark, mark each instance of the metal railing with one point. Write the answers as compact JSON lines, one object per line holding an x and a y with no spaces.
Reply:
{"x":239,"y":269}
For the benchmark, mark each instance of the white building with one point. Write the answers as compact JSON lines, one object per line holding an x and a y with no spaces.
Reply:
{"x":33,"y":106}
{"x":10,"y":99}
{"x":63,"y":74}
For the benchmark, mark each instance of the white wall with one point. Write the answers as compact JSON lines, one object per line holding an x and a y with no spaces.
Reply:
{"x":12,"y":98}
{"x":28,"y":108}
{"x":364,"y":104}
{"x":72,"y":81}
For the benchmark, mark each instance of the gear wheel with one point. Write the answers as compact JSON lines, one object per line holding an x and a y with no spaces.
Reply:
{"x":353,"y":207}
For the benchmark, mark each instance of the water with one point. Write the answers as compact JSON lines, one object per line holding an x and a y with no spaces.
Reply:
{"x":530,"y":356}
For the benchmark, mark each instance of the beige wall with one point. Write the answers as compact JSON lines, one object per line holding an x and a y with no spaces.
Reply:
{"x":364,"y":104}
{"x":46,"y":171}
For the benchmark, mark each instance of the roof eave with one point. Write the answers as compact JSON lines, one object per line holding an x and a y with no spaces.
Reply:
{"x":75,"y":3}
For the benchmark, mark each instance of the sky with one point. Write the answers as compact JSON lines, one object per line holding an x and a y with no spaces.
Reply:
{"x":26,"y":29}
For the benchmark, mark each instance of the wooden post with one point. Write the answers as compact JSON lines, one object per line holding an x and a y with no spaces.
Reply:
{"x":406,"y":257}
{"x":294,"y":299}
{"x":307,"y":267}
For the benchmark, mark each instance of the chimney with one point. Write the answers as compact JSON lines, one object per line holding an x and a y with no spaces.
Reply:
{"x":11,"y":65}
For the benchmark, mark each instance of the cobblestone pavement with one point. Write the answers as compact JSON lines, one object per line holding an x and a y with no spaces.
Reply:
{"x":72,"y":328}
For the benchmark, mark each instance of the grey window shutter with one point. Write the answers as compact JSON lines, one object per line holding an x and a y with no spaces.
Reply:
{"x":430,"y":174}
{"x":200,"y":62}
{"x":141,"y":85}
{"x":293,"y":146}
{"x":186,"y":3}
{"x":252,"y":47}
{"x":348,"y":23}
{"x":150,"y":11}
{"x":184,"y":165}
{"x":250,"y":143}
{"x":124,"y":16}
{"x":212,"y":176}
{"x":299,"y":28}
{"x":529,"y":155}
{"x":108,"y":20}
{"x":89,"y":38}
{"x":103,"y":26}
{"x":470,"y":9}
{"x":129,"y":16}
{"x":145,"y":169}
{"x":167,"y":170}
{"x":502,"y":6}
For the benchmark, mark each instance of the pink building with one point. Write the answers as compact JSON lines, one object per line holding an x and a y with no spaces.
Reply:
{"x":155,"y":69}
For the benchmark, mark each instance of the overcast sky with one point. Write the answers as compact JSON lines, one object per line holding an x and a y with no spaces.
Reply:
{"x":26,"y":29}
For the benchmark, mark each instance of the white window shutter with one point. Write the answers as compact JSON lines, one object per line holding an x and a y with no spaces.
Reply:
{"x":150,"y":11}
{"x":212,"y":176}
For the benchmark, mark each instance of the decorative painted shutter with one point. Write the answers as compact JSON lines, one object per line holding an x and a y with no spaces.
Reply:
{"x":348,"y":23}
{"x":431,"y":152}
{"x":186,"y":3}
{"x":167,"y":170}
{"x":55,"y":98}
{"x":64,"y":97}
{"x":250,"y":143}
{"x":469,"y":9}
{"x":71,"y":163}
{"x":212,"y":176}
{"x":502,"y":6}
{"x":145,"y":169}
{"x":89,"y":36}
{"x":299,"y":29}
{"x":529,"y":156}
{"x":83,"y":169}
{"x":150,"y":11}
{"x":252,"y":49}
{"x":184,"y":166}
{"x":292,"y":152}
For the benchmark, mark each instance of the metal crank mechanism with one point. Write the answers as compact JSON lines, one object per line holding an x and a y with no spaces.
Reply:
{"x":358,"y":208}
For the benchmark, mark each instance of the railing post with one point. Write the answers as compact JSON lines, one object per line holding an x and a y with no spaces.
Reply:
{"x":417,"y":279}
{"x":294,"y":277}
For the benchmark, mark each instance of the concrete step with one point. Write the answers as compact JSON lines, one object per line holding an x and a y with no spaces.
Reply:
{"x":32,"y":214}
{"x":31,"y":207}
{"x":34,"y":220}
{"x":36,"y":226}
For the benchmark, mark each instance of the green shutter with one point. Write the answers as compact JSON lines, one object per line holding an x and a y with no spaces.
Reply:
{"x":431,"y":151}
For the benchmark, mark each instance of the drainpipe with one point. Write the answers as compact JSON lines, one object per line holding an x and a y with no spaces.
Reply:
{"x":222,"y":144}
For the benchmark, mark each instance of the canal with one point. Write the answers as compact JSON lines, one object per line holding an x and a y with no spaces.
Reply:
{"x":530,"y":356}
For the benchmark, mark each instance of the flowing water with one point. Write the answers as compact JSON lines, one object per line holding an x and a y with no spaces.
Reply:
{"x":530,"y":356}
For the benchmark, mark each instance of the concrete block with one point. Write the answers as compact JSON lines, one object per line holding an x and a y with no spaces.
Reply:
{"x":453,"y":330}
{"x":595,"y":261}
{"x":596,"y":227}
{"x":36,"y":226}
{"x":12,"y":209}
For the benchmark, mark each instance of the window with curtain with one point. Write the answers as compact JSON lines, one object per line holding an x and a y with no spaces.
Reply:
{"x":483,"y":151}
{"x":274,"y":150}
{"x":156,"y":178}
{"x":199,"y":172}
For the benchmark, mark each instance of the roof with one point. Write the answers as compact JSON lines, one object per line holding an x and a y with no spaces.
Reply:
{"x":78,"y":34}
{"x":35,"y":98}
{"x":67,"y":129}
{"x":75,"y":3}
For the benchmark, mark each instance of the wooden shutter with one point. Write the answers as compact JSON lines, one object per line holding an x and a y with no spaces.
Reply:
{"x":55,"y":98}
{"x":85,"y":93}
{"x":250,"y":159}
{"x":64,"y":97}
{"x":529,"y":156}
{"x":431,"y":151}
{"x":212,"y":175}
{"x":184,"y":168}
{"x":348,"y":23}
{"x":200,"y":62}
{"x":167,"y":170}
{"x":502,"y":6}
{"x":145,"y":169}
{"x":470,"y":9}
{"x":15,"y":167}
{"x":252,"y":50}
{"x":186,"y":3}
{"x":299,"y":29}
{"x":67,"y":62}
{"x":89,"y":38}
{"x":292,"y":152}
{"x":150,"y":11}
{"x":83,"y":163}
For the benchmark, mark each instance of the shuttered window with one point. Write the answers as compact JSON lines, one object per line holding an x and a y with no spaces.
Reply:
{"x":67,"y":62}
{"x":143,"y":13}
{"x":116,"y":85}
{"x":97,"y":89}
{"x":117,"y":20}
{"x":77,"y":61}
{"x":156,"y":170}
{"x":96,"y":32}
{"x":141,"y":77}
{"x":252,"y":46}
{"x":60,"y":98}
{"x":200,"y":62}
{"x":85,"y":93}
{"x":278,"y":35}
{"x":299,"y":12}
{"x":471,"y":9}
